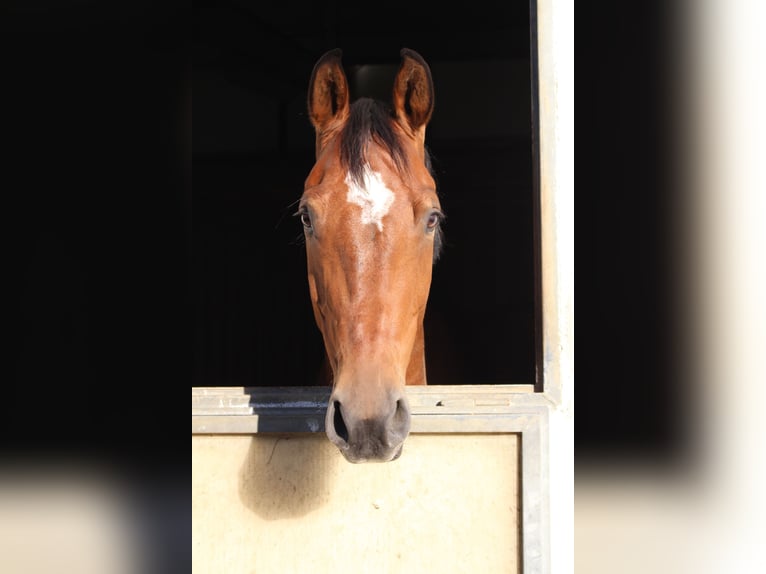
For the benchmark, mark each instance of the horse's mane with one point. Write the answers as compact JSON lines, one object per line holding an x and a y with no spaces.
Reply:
{"x":371,"y":120}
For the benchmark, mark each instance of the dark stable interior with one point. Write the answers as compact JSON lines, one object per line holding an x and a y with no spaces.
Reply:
{"x":128,"y":281}
{"x":253,"y":146}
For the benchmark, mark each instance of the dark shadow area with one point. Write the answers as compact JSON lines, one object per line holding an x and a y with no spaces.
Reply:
{"x":95,"y":127}
{"x":634,"y":399}
{"x":285,"y":476}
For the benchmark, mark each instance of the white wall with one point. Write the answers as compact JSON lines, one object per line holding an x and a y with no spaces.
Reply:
{"x":265,"y":503}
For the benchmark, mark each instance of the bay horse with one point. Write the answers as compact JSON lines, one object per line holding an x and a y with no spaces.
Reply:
{"x":371,"y":220}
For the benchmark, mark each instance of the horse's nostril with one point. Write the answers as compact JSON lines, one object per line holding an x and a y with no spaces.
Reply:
{"x":339,"y":423}
{"x":400,"y":423}
{"x":400,"y":415}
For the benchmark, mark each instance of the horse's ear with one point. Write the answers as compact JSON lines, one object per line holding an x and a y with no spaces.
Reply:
{"x":414,"y":92}
{"x":328,"y":100}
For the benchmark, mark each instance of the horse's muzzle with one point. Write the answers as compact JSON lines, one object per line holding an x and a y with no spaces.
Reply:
{"x":368,"y":437}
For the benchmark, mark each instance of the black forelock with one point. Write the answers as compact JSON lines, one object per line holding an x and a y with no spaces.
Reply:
{"x":369,"y":121}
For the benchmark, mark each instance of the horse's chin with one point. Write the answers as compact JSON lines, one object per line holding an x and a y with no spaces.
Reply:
{"x":398,"y":452}
{"x":350,"y":457}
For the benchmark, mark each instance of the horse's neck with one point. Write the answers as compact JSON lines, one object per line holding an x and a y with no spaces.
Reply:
{"x":325,"y":376}
{"x":416,"y":370}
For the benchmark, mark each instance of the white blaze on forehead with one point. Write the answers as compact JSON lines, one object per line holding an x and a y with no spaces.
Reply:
{"x":372,"y":196}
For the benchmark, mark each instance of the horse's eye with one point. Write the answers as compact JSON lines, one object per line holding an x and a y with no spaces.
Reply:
{"x":433,"y":220}
{"x":305,"y":218}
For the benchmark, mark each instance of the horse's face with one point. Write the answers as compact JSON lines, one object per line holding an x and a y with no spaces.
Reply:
{"x":371,"y":216}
